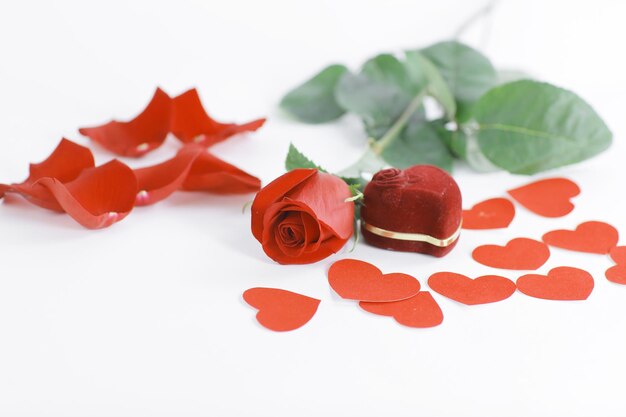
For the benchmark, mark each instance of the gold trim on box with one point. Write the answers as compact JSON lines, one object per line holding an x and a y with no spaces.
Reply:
{"x":414,"y":237}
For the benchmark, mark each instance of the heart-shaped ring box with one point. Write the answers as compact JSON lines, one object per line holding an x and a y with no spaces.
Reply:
{"x":413,"y":210}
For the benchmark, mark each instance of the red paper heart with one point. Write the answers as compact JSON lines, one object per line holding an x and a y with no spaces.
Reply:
{"x":549,"y":197}
{"x":421,"y":310}
{"x":495,"y":213}
{"x":616,"y":274}
{"x":281,"y":310}
{"x":518,"y":254}
{"x":482,"y":290}
{"x":592,"y":237}
{"x":361,"y":281}
{"x":562,"y":283}
{"x":618,"y":254}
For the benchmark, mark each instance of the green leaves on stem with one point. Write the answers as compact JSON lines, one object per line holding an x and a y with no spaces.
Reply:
{"x":521,"y":126}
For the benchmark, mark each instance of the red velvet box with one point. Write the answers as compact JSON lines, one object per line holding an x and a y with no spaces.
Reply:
{"x":413,"y":210}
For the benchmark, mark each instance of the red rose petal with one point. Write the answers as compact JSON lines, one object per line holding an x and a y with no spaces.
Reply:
{"x":99,"y":196}
{"x":562,"y":283}
{"x":325,"y":194}
{"x":481,"y":290}
{"x":496,"y":213}
{"x":139,"y":136}
{"x":191,"y":123}
{"x":65,"y":164}
{"x":548,"y":197}
{"x":520,"y":253}
{"x":616,"y":274}
{"x":274,"y":192}
{"x":592,"y":237}
{"x":281,"y":310}
{"x":420,"y":311}
{"x":209,"y":173}
{"x":362,"y":281}
{"x":157,"y":182}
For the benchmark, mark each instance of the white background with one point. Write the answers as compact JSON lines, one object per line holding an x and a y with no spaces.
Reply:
{"x":146,"y":318}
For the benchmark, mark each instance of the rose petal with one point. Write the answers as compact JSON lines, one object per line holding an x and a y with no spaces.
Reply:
{"x":139,"y":136}
{"x":65,"y":164}
{"x":190,"y":122}
{"x":325,"y":194}
{"x":99,"y":196}
{"x":209,"y":173}
{"x":157,"y":182}
{"x":274,"y":192}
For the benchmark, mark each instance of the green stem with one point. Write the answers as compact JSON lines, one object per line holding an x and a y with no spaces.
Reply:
{"x":379,"y":146}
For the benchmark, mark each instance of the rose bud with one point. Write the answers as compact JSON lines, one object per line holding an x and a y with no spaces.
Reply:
{"x":302,"y":216}
{"x":415,"y":210}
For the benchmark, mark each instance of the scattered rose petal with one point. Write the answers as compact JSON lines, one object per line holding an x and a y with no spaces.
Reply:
{"x":209,"y":173}
{"x":592,"y":237}
{"x":518,"y":254}
{"x":481,"y":290}
{"x":281,"y":310}
{"x":139,"y":136}
{"x":191,"y":123}
{"x":420,"y":311}
{"x":548,"y":197}
{"x":616,"y":274}
{"x":64,"y":164}
{"x":157,"y":182}
{"x":495,"y":213}
{"x":362,"y":281}
{"x":562,"y":283}
{"x":98,"y":197}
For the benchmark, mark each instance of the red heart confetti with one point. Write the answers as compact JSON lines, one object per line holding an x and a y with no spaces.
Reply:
{"x":281,"y":310}
{"x":420,"y":311}
{"x":481,"y":290}
{"x":362,"y":281}
{"x":562,"y":283}
{"x":495,"y":213}
{"x":616,"y":274}
{"x":548,"y":197}
{"x":518,"y":254}
{"x":592,"y":237}
{"x":618,"y":254}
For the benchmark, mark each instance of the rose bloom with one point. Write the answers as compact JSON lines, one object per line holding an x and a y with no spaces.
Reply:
{"x":302,"y":216}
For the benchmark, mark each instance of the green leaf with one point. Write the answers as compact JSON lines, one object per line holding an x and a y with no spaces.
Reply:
{"x":468,"y":73}
{"x":387,"y":69}
{"x":378,"y":103}
{"x":526,"y":127}
{"x":296,"y":159}
{"x":314,"y":101}
{"x":419,"y":143}
{"x":424,"y":73}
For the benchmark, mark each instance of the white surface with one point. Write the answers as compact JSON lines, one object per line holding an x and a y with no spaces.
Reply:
{"x":146,"y":318}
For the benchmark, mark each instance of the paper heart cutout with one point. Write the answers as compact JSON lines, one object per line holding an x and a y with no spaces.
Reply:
{"x":592,"y":237}
{"x":481,"y":290}
{"x":518,"y":254}
{"x":281,"y":310}
{"x":495,"y":213}
{"x":420,"y":311}
{"x":548,"y":197}
{"x":362,"y":281}
{"x":618,"y":254}
{"x":616,"y":274}
{"x":562,"y":283}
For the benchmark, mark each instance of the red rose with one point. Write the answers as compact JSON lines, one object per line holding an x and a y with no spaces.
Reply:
{"x":302,"y":216}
